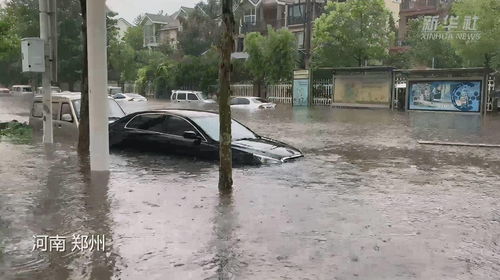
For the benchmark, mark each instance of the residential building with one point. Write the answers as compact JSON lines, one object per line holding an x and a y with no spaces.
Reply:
{"x":122,"y":26}
{"x":393,"y":7}
{"x":163,"y":29}
{"x":411,"y":9}
{"x":257,"y":15}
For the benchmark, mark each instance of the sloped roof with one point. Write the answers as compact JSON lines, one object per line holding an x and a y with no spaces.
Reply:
{"x":155,"y":18}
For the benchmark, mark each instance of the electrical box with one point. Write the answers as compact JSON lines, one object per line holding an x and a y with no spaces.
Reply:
{"x":33,"y":54}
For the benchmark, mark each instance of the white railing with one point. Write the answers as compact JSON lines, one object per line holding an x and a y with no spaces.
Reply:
{"x":242,"y":90}
{"x":281,"y":93}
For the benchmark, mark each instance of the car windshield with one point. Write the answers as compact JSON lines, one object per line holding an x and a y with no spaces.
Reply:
{"x":211,"y":127}
{"x":114,"y":110}
{"x":260,"y":100}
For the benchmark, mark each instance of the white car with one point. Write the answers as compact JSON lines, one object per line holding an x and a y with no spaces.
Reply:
{"x":4,"y":91}
{"x":21,"y":89}
{"x":249,"y":102}
{"x":66,"y":114}
{"x":189,"y":96}
{"x":129,"y":97}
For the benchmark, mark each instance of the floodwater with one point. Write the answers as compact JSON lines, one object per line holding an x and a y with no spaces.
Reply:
{"x":366,"y":202}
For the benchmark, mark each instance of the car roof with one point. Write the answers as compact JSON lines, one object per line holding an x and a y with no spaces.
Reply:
{"x":249,"y":97}
{"x":65,"y":95}
{"x":185,"y":91}
{"x":21,"y":86}
{"x":183,"y":113}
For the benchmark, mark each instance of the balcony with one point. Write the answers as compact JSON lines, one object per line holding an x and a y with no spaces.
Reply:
{"x":296,"y":20}
{"x":151,"y":41}
{"x":247,"y":27}
{"x":411,"y":5}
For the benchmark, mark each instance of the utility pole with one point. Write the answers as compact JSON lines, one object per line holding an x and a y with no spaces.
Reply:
{"x":48,"y":136}
{"x":98,"y":79}
{"x":53,"y":40}
{"x":307,"y":34}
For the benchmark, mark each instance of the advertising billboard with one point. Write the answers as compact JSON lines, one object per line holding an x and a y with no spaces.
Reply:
{"x":461,"y":96}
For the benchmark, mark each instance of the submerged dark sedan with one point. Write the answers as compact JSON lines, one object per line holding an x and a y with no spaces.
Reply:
{"x":195,"y":133}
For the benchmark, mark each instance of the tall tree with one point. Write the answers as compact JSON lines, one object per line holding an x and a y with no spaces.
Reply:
{"x":352,"y":32}
{"x":201,"y":29}
{"x":426,"y":52}
{"x":485,"y":51}
{"x":271,"y":58}
{"x":84,"y":133}
{"x":227,"y":46}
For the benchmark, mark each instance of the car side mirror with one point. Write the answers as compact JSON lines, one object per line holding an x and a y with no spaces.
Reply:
{"x":67,"y":118}
{"x":191,"y":135}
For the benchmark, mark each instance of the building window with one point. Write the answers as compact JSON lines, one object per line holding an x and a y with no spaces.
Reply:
{"x":296,"y":14}
{"x":250,"y":17}
{"x":299,"y":36}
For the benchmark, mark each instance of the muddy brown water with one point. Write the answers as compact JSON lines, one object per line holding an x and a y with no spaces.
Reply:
{"x":366,"y":202}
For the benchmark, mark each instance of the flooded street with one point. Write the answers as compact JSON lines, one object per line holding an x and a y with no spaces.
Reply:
{"x":366,"y":202}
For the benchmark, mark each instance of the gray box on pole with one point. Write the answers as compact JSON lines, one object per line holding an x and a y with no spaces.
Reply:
{"x":33,"y":54}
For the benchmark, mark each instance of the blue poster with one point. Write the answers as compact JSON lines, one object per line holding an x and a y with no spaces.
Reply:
{"x":462,"y":96}
{"x":301,"y":92}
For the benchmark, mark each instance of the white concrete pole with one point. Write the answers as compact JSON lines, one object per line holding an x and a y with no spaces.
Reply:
{"x":98,"y":78}
{"x":48,"y":136}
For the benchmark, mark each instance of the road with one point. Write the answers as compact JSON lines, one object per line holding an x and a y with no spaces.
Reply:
{"x":366,"y":202}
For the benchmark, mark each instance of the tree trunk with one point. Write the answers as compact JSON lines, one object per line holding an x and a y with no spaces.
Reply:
{"x":227,"y":45}
{"x":84,"y":137}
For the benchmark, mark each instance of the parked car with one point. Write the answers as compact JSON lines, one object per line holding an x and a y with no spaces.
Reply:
{"x":66,"y":113}
{"x":21,"y":89}
{"x":129,"y":97}
{"x":251,"y":103}
{"x":195,"y":133}
{"x":189,"y":96}
{"x":54,"y":89}
{"x":4,"y":91}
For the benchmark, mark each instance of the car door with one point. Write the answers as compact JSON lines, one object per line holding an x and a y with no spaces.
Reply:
{"x":67,"y":124}
{"x":175,"y":128}
{"x":181,"y":97}
{"x":191,"y":97}
{"x":143,"y":132}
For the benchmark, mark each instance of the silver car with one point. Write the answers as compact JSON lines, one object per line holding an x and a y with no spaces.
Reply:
{"x":189,"y":96}
{"x":66,"y":114}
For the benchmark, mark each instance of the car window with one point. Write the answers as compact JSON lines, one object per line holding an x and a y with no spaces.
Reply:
{"x":211,"y":127}
{"x":66,"y":109}
{"x":177,"y":126}
{"x":244,"y":101}
{"x":56,"y":109}
{"x":119,"y":96}
{"x":192,"y":96}
{"x":153,"y":122}
{"x":233,"y":101}
{"x":181,"y":96}
{"x":37,"y":110}
{"x":26,"y":89}
{"x":260,"y":100}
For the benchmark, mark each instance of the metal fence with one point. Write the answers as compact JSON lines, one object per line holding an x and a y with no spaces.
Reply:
{"x":322,"y":92}
{"x":242,"y":90}
{"x":281,"y":93}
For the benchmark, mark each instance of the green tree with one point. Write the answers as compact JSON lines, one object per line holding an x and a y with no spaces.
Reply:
{"x":134,"y":37}
{"x":485,"y":51}
{"x":201,"y":29}
{"x":352,"y":32}
{"x":271,"y":58}
{"x":423,"y":51}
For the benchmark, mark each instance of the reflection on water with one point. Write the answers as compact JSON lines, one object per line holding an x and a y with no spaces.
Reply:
{"x":366,"y":202}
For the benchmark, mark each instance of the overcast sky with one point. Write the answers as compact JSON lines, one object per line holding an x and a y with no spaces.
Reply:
{"x":130,"y":9}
